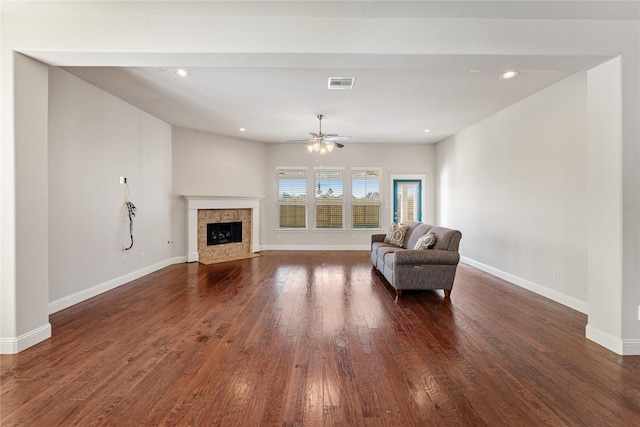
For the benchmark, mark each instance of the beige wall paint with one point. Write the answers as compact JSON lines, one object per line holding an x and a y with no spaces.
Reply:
{"x":94,"y":139}
{"x":212,"y":165}
{"x":516,"y":185}
{"x":24,"y":248}
{"x":605,"y":248}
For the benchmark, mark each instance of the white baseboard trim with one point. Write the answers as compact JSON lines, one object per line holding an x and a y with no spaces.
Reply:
{"x":604,"y":339}
{"x":24,"y":341}
{"x":631,"y":347}
{"x":622,"y":347}
{"x":68,"y":301}
{"x":554,"y":295}
{"x":316,"y":247}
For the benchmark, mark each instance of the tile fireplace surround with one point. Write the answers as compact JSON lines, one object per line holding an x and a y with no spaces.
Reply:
{"x":195,"y":203}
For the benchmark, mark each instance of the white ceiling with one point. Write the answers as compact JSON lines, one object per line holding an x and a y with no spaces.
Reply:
{"x":393,"y":101}
{"x":276,"y":96}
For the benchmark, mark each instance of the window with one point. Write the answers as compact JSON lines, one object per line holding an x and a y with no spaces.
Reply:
{"x":329,"y":198}
{"x":292,"y":198}
{"x":365,"y":201}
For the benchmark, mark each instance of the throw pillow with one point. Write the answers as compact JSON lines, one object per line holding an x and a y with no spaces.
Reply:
{"x":396,"y":234}
{"x":426,"y":242}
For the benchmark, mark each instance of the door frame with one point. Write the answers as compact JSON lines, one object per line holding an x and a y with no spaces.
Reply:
{"x":407,"y":177}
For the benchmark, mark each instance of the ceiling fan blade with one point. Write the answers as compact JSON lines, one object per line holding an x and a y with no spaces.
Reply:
{"x":335,"y":144}
{"x":324,"y":138}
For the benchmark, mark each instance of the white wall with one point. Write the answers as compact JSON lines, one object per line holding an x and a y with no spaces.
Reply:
{"x":94,"y":138}
{"x":24,"y":248}
{"x":392,"y":158}
{"x":516,"y":186}
{"x":205,"y":164}
{"x":606,"y":204}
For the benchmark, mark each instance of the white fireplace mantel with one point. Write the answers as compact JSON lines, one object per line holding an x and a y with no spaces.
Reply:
{"x":194,"y":203}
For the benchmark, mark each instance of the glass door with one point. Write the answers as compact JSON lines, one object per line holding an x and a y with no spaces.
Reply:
{"x":407,"y":200}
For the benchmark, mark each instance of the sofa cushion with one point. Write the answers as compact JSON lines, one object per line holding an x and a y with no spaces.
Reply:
{"x":426,"y":241}
{"x":382,"y":252}
{"x":415,"y":232}
{"x":396,"y":234}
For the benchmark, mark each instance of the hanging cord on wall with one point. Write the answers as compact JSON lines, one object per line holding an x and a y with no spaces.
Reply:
{"x":131,"y":211}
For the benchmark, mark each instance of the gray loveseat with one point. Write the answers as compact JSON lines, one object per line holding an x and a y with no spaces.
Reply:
{"x":408,"y":268}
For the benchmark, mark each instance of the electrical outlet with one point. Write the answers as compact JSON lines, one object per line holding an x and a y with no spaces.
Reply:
{"x":278,"y":236}
{"x":124,"y":260}
{"x":556,"y":275}
{"x":123,"y":180}
{"x":141,"y":255}
{"x":639,"y":312}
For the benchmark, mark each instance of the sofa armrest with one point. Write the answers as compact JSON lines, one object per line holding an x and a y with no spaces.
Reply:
{"x":427,"y":256}
{"x":377,"y":237}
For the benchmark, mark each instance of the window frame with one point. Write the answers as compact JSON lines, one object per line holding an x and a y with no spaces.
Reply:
{"x":316,"y":199}
{"x":279,"y":202}
{"x":377,"y":170}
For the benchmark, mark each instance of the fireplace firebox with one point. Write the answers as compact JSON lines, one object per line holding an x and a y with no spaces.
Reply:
{"x":220,"y":233}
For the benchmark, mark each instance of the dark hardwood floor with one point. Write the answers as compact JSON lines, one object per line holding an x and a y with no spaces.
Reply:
{"x":316,"y":338}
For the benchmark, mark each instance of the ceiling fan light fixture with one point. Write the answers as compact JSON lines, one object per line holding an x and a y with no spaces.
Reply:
{"x":323,"y":143}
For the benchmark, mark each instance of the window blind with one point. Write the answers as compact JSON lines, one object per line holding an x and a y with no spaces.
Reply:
{"x":292,"y":198}
{"x":329,"y":197}
{"x":365,"y":189}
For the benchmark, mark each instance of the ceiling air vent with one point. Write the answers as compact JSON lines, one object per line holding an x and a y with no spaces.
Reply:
{"x":341,"y":82}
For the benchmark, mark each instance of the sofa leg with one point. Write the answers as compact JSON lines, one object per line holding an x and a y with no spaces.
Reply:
{"x":399,"y":292}
{"x":447,"y":293}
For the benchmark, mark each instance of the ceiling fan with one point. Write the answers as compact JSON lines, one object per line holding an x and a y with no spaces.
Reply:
{"x":323,"y":142}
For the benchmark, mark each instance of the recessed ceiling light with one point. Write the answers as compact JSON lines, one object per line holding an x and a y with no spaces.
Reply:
{"x":242,"y":130}
{"x":427,"y":130}
{"x":509,"y":75}
{"x":182,"y":73}
{"x":474,"y":71}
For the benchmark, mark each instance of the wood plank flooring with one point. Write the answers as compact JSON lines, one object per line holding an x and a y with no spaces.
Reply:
{"x":316,"y":338}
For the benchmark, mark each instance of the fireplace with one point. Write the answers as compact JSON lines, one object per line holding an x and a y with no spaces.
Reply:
{"x":204,"y":210}
{"x":220,"y":233}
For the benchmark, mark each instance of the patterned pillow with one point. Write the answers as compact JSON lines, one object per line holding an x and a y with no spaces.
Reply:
{"x":426,"y":242}
{"x":396,"y":234}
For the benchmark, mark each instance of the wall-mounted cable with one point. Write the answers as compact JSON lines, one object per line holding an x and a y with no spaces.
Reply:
{"x":131,"y":211}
